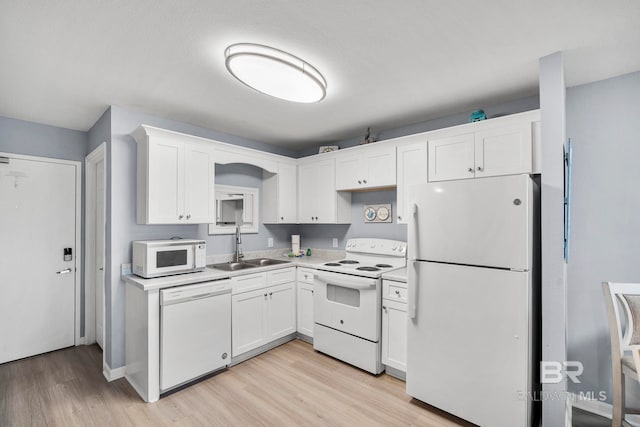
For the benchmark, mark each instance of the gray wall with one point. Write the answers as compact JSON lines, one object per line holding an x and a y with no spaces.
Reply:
{"x":34,"y":139}
{"x":603,"y":122}
{"x":121,"y":214}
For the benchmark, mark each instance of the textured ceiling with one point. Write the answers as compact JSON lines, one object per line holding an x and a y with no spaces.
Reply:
{"x":387,"y":63}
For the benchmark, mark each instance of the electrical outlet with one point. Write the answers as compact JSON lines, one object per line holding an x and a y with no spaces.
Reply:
{"x":335,"y":242}
{"x":270,"y":242}
{"x":125,"y":269}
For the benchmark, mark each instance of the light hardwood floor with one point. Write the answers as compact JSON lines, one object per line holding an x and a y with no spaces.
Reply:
{"x":289,"y":385}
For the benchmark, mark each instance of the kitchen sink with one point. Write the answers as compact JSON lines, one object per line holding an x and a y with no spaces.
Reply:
{"x":262,"y":262}
{"x":232,"y":266}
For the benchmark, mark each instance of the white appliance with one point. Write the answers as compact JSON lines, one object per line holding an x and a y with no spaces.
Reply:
{"x":347,"y":301}
{"x":195,"y":331}
{"x":156,"y":258}
{"x":470,"y":281}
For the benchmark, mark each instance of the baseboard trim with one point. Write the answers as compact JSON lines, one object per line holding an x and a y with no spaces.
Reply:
{"x":396,"y":373}
{"x":113,"y":374}
{"x":305,"y":338}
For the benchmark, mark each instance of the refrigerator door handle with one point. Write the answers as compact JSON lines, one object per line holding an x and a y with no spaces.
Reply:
{"x":412,"y":276}
{"x":413,"y":231}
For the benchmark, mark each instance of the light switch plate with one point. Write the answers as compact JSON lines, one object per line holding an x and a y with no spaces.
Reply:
{"x":270,"y":242}
{"x":335,"y":242}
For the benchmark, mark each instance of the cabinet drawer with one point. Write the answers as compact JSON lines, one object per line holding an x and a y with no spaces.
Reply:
{"x":305,"y":275}
{"x":248,"y":282}
{"x":396,"y":291}
{"x":278,"y":277}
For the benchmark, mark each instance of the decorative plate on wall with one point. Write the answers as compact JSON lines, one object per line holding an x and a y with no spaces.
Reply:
{"x":377,"y":213}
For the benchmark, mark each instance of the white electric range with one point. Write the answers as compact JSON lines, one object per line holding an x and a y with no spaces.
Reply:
{"x":348,"y":299}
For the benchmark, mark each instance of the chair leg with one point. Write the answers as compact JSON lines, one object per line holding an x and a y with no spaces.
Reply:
{"x":618,"y":401}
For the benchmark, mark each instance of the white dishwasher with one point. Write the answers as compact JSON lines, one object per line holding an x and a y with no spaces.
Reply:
{"x":195,"y":331}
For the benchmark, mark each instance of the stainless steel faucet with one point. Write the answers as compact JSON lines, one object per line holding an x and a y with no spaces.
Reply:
{"x":238,"y":255}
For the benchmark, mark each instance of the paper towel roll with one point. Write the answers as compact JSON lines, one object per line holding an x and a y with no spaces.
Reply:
{"x":295,"y":243}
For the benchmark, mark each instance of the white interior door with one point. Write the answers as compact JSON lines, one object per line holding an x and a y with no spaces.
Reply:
{"x":37,"y":286}
{"x":99,"y":252}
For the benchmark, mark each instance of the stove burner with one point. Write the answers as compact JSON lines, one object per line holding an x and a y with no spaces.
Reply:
{"x":384,"y":265}
{"x":333,"y":264}
{"x":368,"y":269}
{"x":348,"y":261}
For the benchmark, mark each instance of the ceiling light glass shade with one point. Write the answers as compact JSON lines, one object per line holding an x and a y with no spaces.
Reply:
{"x":274,"y":72}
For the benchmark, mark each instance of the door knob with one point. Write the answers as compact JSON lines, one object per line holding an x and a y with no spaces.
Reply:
{"x":65,"y":271}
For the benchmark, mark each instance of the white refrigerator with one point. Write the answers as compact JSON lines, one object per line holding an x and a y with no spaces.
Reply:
{"x":471,"y":261}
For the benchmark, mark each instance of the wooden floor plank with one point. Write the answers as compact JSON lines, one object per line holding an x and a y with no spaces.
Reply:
{"x":289,"y":385}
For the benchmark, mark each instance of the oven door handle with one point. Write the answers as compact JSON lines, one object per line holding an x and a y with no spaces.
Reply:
{"x":345,"y":281}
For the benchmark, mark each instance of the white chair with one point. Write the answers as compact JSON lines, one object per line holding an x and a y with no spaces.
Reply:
{"x":623,"y":312}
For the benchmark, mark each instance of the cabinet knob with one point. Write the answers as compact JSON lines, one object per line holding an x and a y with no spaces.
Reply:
{"x":480,"y":168}
{"x":470,"y":170}
{"x":281,"y":218}
{"x":180,"y":216}
{"x":397,"y":292}
{"x":359,"y":182}
{"x":270,"y":294}
{"x":384,"y":308}
{"x":364,"y":180}
{"x":399,"y":217}
{"x":305,"y":276}
{"x":265,"y":295}
{"x":188,"y":216}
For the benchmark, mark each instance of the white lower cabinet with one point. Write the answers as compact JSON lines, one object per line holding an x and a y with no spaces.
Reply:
{"x":305,"y":302}
{"x":263,"y":309}
{"x":394,"y":325}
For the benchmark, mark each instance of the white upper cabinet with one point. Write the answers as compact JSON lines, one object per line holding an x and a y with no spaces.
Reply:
{"x":411,"y":169}
{"x":175,"y":179}
{"x":366,"y":167}
{"x":279,"y":205}
{"x":485,"y":149}
{"x":318,"y":200}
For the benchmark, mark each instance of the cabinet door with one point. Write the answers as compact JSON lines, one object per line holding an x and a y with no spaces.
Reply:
{"x":249,"y":321}
{"x":349,"y":173}
{"x":380,"y":164}
{"x":394,"y":334}
{"x":503,"y":151}
{"x":281,"y":311}
{"x":305,"y":309}
{"x":165,"y":182}
{"x":325,"y":192}
{"x":199,"y":175}
{"x":287,"y":194}
{"x":452,"y":158}
{"x":411,"y":169}
{"x":307,"y":197}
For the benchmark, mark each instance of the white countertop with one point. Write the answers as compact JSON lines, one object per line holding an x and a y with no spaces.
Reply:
{"x":399,"y":275}
{"x":210,"y":274}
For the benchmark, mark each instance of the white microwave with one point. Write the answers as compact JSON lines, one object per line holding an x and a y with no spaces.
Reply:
{"x":157,"y":258}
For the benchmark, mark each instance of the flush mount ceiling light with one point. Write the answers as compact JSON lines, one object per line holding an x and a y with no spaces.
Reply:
{"x":275,"y":72}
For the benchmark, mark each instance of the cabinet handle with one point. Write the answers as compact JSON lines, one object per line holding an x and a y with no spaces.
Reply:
{"x":399,"y":217}
{"x":271,"y":294}
{"x":316,"y":218}
{"x":281,"y":218}
{"x":265,"y":295}
{"x":470,"y":170}
{"x":480,"y":168}
{"x":397,"y":292}
{"x":188,"y":216}
{"x":312,"y":291}
{"x":359,"y":182}
{"x":364,"y":180}
{"x":384,"y":308}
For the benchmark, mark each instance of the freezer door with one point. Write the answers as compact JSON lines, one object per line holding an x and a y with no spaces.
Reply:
{"x":469,"y":343}
{"x":482,"y":221}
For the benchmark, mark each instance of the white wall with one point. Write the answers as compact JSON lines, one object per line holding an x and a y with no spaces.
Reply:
{"x":603,"y":123}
